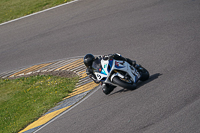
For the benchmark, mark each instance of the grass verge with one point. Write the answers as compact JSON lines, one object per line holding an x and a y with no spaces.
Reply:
{"x":24,"y":100}
{"x":12,"y":9}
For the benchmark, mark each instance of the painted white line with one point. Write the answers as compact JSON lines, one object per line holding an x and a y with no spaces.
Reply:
{"x":39,"y":12}
{"x":87,"y":96}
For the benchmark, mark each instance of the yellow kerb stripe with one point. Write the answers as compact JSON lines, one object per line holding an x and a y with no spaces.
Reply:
{"x":30,"y":69}
{"x":74,"y":65}
{"x":82,"y":74}
{"x":44,"y":119}
{"x":84,"y":71}
{"x":82,"y":89}
{"x":70,"y":64}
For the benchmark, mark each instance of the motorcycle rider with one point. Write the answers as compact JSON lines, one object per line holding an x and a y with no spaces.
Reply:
{"x":88,"y":61}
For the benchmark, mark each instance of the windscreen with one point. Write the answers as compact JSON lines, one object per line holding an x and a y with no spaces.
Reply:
{"x":96,"y":65}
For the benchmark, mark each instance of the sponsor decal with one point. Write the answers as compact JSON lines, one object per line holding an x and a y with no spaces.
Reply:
{"x":119,"y":64}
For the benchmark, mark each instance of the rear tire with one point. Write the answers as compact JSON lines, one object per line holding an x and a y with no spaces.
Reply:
{"x":124,"y":84}
{"x":144,"y":74}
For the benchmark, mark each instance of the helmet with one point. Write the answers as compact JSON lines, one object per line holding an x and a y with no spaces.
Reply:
{"x":88,"y":59}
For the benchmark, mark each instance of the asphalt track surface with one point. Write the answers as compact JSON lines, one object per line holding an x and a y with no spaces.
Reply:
{"x":163,"y":36}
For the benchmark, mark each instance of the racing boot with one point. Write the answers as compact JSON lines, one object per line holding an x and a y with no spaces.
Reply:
{"x":137,"y":66}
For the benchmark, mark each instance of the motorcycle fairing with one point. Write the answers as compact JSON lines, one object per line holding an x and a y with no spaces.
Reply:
{"x":114,"y":65}
{"x":119,"y":64}
{"x":103,"y":71}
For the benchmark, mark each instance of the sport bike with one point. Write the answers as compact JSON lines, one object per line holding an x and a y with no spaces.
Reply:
{"x":114,"y":73}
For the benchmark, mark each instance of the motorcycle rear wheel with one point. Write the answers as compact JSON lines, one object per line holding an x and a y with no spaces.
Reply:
{"x":144,"y":74}
{"x":124,"y":84}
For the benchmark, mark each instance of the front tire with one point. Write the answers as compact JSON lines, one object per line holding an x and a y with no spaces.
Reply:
{"x":107,"y":89}
{"x":124,"y":84}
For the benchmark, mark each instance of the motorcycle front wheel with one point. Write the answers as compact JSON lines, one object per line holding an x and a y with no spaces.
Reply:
{"x":124,"y":84}
{"x":107,"y":89}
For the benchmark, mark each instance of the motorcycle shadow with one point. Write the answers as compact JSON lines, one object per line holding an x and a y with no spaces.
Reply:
{"x":140,"y":83}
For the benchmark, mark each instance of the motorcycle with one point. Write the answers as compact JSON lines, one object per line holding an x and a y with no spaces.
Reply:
{"x":112,"y":73}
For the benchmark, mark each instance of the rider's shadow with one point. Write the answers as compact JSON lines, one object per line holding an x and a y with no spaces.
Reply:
{"x":140,"y":84}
